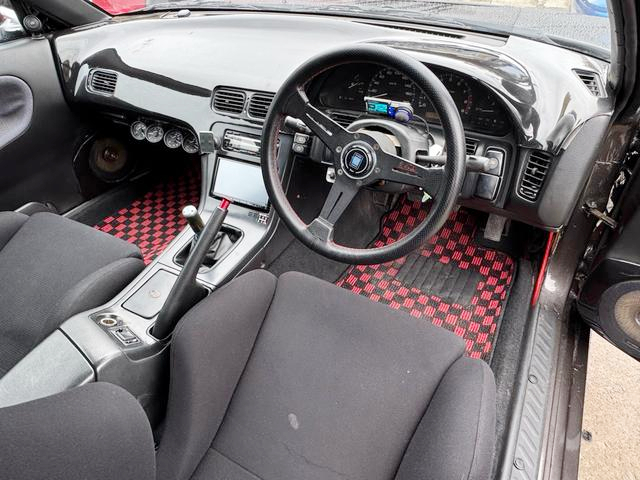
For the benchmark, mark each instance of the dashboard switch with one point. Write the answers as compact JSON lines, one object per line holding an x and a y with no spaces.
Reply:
{"x":487,"y":186}
{"x":497,"y":154}
{"x":301,"y":138}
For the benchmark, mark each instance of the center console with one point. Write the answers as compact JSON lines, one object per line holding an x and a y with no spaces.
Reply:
{"x":114,"y":343}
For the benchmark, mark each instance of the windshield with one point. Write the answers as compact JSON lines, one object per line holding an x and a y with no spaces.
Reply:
{"x":581,"y":24}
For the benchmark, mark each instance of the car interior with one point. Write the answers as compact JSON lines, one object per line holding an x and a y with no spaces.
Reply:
{"x":246,"y":244}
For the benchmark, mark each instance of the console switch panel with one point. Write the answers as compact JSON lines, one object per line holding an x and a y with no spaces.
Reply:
{"x":125,"y":335}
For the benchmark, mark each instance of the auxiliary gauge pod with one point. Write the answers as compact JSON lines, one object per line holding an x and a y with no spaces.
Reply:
{"x":186,"y":292}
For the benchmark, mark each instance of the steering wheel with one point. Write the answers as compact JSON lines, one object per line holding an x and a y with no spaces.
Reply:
{"x":359,"y":158}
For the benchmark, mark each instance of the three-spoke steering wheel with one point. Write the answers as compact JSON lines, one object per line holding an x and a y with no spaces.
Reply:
{"x":358,"y":158}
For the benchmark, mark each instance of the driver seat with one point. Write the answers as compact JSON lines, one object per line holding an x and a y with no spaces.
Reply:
{"x":283,"y":379}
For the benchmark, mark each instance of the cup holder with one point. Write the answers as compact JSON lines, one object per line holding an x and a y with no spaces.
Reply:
{"x":108,"y":320}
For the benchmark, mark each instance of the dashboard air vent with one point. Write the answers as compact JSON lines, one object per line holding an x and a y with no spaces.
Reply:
{"x":533,"y":176}
{"x":472,"y":146}
{"x":259,"y":104}
{"x":102,"y":81}
{"x":591,"y":80}
{"x":229,"y":100}
{"x":344,"y":118}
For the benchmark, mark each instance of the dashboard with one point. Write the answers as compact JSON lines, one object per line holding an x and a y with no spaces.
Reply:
{"x":541,"y":109}
{"x":480,"y":110}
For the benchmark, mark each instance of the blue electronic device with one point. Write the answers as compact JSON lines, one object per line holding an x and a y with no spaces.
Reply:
{"x":399,"y":111}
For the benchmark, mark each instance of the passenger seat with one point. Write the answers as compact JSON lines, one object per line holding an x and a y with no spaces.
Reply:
{"x":53,"y":268}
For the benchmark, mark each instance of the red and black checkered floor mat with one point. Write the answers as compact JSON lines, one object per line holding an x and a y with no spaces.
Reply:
{"x":451,"y":281}
{"x":154,"y":220}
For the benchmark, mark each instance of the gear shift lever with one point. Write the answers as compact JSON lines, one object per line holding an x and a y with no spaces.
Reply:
{"x":186,"y":292}
{"x":193,"y":218}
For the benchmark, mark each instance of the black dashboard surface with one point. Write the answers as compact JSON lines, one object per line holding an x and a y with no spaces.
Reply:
{"x":525,"y":94}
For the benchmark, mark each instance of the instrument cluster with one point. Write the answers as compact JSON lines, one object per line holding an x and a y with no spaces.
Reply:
{"x":480,"y":110}
{"x":173,"y":137}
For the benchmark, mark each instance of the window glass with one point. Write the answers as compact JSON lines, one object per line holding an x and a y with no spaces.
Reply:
{"x":578,"y":21}
{"x":10,"y":27}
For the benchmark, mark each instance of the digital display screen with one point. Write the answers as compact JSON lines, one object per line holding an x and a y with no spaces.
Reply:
{"x":374,"y":106}
{"x":241,"y":183}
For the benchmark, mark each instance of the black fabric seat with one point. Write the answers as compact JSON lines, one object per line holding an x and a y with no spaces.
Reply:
{"x":54,"y":268}
{"x":295,"y":378}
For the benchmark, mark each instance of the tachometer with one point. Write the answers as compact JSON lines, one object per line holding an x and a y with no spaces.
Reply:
{"x":390,"y":84}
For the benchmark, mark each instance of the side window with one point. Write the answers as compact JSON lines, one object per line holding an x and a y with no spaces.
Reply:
{"x":10,"y":27}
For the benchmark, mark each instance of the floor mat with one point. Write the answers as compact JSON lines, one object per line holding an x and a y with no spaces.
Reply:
{"x":451,"y":281}
{"x":153,"y":220}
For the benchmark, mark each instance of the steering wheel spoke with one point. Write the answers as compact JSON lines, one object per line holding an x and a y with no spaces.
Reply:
{"x":339,"y":198}
{"x":396,"y":169}
{"x":331,"y":133}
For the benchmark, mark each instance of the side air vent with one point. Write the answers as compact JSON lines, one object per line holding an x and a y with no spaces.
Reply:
{"x":534,"y":174}
{"x":592,"y":81}
{"x":259,"y":104}
{"x":229,"y":100}
{"x":472,"y":146}
{"x":102,"y":81}
{"x":344,"y":118}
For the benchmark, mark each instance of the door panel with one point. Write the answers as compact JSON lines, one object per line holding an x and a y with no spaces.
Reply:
{"x":610,"y":297}
{"x":38,"y":132}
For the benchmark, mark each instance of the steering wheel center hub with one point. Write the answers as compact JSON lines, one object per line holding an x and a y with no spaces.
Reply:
{"x":358,"y":160}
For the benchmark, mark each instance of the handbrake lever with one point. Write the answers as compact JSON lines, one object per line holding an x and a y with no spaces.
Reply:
{"x":186,"y":292}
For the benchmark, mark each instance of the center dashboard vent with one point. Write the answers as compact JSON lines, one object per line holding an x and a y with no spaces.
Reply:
{"x":102,"y":81}
{"x":592,"y":81}
{"x":534,"y":174}
{"x":229,"y":100}
{"x":259,"y":104}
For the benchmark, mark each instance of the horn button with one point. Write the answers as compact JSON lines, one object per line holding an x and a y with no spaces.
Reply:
{"x":358,"y":160}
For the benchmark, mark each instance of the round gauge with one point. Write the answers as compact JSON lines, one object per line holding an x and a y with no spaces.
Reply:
{"x":393,"y":85}
{"x":173,"y":138}
{"x":155,"y":133}
{"x":460,"y":91}
{"x":488,"y":115}
{"x":190,"y":144}
{"x":139,"y":130}
{"x":353,"y":92}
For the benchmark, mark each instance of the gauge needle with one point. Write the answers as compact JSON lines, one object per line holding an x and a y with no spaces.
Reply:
{"x":355,"y":84}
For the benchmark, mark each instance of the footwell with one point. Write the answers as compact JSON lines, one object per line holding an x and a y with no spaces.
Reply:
{"x":450,"y":281}
{"x":153,"y":220}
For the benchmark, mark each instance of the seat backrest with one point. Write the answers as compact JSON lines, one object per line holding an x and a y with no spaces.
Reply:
{"x":53,"y":267}
{"x":298,"y":379}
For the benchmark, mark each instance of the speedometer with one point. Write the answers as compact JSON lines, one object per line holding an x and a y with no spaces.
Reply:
{"x":391,"y":84}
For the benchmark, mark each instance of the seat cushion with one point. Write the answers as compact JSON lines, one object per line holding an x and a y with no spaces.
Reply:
{"x":334,"y":386}
{"x":54,"y":268}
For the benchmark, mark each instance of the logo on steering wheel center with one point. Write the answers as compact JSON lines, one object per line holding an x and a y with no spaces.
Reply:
{"x":357,"y":162}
